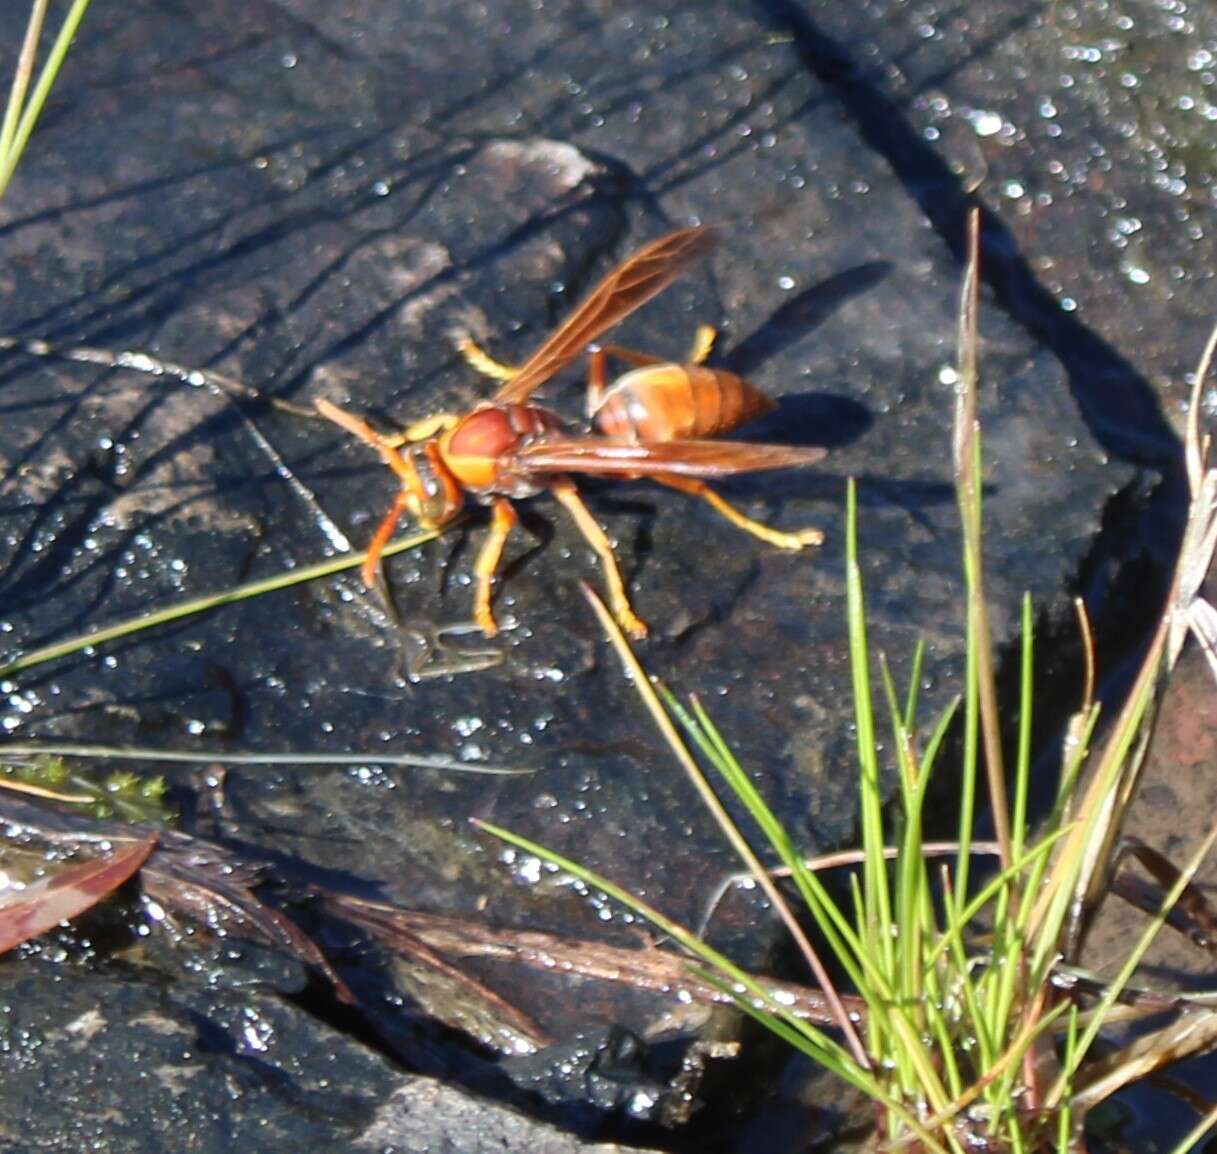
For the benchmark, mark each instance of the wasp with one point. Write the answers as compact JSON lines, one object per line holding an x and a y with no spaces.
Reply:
{"x":657,"y":421}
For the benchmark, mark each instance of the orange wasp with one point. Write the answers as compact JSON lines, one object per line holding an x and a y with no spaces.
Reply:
{"x":656,"y":421}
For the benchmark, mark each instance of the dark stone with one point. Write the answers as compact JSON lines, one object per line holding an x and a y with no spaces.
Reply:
{"x":122,"y":1065}
{"x":312,"y":197}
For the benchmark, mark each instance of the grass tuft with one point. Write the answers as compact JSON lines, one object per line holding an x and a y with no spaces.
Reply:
{"x":966,"y":1039}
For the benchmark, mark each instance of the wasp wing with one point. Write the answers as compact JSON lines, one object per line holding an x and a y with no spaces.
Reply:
{"x":634,"y":282}
{"x":606,"y":455}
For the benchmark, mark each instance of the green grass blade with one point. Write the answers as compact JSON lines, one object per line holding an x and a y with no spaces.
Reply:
{"x":22,"y":74}
{"x":46,"y":79}
{"x":739,"y":843}
{"x":842,"y":939}
{"x":960,"y":973}
{"x":1013,"y":978}
{"x":1010,"y":1059}
{"x":1022,"y":778}
{"x":910,"y":872}
{"x":202,"y":604}
{"x":1076,"y":758}
{"x":874,"y":870}
{"x":910,"y":705}
{"x":930,"y":755}
{"x":969,"y":767}
{"x":10,"y":749}
{"x":1064,"y":1117}
{"x":972,"y":907}
{"x":1189,"y":1140}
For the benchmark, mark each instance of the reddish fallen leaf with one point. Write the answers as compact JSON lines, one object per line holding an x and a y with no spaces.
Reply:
{"x":26,"y":913}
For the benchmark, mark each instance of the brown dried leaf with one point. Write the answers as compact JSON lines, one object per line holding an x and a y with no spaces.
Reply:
{"x":24,"y":914}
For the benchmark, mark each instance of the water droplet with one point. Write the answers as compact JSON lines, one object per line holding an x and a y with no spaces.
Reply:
{"x":528,"y":870}
{"x":986,"y":123}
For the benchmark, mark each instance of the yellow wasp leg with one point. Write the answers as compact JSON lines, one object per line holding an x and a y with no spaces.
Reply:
{"x":481,"y":361}
{"x":695,"y":488}
{"x":564,"y":489}
{"x":502,"y":522}
{"x":422,"y":430}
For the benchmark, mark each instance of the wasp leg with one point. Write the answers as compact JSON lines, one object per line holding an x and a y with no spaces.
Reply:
{"x":695,"y":488}
{"x":600,"y":353}
{"x":564,"y":489}
{"x":371,"y":566}
{"x":361,"y":429}
{"x":597,"y":382}
{"x":703,"y":344}
{"x":423,"y":430}
{"x":597,"y":371}
{"x":481,"y":361}
{"x":358,"y":427}
{"x":501,"y":525}
{"x":700,"y":350}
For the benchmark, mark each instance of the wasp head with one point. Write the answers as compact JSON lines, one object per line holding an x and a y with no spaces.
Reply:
{"x":433,"y":496}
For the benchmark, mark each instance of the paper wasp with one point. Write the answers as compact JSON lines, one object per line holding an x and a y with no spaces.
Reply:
{"x":655,"y":422}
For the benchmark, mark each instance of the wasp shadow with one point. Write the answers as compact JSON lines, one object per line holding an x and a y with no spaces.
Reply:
{"x":801,"y":314}
{"x":827,"y":419}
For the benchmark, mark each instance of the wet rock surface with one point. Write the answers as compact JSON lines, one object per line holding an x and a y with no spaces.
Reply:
{"x":314,"y":198}
{"x":196,"y":1071}
{"x":422,"y":1110}
{"x":219,"y":1070}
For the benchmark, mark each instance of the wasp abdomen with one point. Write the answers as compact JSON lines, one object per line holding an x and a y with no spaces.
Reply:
{"x":678,"y":402}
